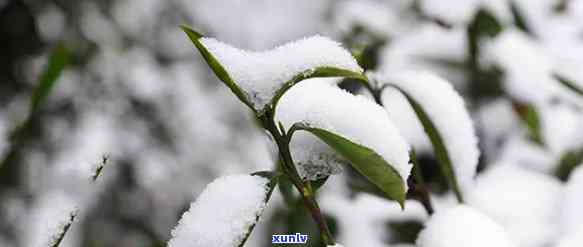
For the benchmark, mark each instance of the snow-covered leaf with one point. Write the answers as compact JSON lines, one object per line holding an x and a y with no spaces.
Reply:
{"x":225,"y":213}
{"x":259,"y":79}
{"x":526,"y":64}
{"x":446,"y":122}
{"x":354,"y":127}
{"x":462,"y":226}
{"x":50,"y":219}
{"x":526,"y":203}
{"x":367,"y":162}
{"x":217,"y":68}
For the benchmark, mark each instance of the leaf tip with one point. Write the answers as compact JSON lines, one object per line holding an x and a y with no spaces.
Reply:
{"x":192,"y":34}
{"x":402,"y":204}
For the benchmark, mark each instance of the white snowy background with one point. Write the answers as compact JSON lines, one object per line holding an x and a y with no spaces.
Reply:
{"x":139,"y":94}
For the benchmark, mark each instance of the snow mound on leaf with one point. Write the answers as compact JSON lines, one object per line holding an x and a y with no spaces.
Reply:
{"x":356,"y":118}
{"x":524,"y":202}
{"x":261,"y":74}
{"x":462,"y":226}
{"x":364,"y":217}
{"x":314,"y":158}
{"x":528,"y":69}
{"x":223,"y":213}
{"x":446,"y":109}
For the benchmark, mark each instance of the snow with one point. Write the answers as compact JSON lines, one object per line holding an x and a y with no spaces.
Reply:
{"x":364,"y":217}
{"x":462,"y":226}
{"x":571,"y":211}
{"x":325,"y":106}
{"x":314,"y":158}
{"x":377,"y":17}
{"x":526,"y":203}
{"x":403,"y":115}
{"x":223,"y":213}
{"x":494,"y":131}
{"x":463,"y":11}
{"x":520,"y":150}
{"x":560,"y":127}
{"x":572,"y":240}
{"x":457,"y":11}
{"x":261,"y":74}
{"x":527,"y":65}
{"x":48,"y":219}
{"x":446,"y":109}
{"x":4,"y":144}
{"x":427,"y":47}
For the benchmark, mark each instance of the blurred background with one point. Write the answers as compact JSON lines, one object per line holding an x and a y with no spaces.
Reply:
{"x":137,"y":97}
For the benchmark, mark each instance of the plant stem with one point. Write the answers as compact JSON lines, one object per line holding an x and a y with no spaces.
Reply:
{"x":420,"y":187}
{"x":305,"y":189}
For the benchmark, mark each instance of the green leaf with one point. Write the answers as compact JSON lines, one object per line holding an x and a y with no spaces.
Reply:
{"x":485,"y":82}
{"x":217,"y":68}
{"x":519,"y":19}
{"x":273,"y":180}
{"x":568,"y":162}
{"x":569,"y":84}
{"x":439,"y":148}
{"x":366,"y":161}
{"x":530,"y":118}
{"x":58,"y":59}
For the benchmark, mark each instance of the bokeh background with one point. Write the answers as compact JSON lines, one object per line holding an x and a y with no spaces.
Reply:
{"x":138,"y":96}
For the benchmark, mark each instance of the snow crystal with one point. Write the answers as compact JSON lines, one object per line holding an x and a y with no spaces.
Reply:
{"x":526,"y":203}
{"x":223,"y":213}
{"x":261,"y":74}
{"x":571,"y":212}
{"x":314,"y":158}
{"x":48,"y":219}
{"x":446,"y":109}
{"x":462,"y":226}
{"x":356,"y":118}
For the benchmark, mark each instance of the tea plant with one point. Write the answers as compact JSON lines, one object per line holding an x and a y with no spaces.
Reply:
{"x":316,"y":126}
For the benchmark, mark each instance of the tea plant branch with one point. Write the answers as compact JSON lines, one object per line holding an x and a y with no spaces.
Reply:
{"x":282,"y":140}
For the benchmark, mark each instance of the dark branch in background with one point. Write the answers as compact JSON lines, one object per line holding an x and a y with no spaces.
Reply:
{"x":100,"y":167}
